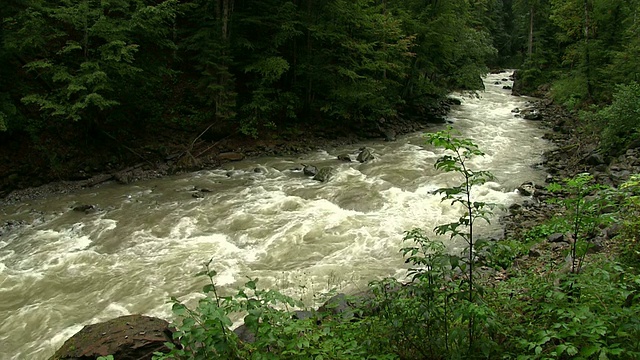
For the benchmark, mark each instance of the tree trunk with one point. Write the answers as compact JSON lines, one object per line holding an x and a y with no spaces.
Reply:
{"x":586,"y":48}
{"x":226,"y":11}
{"x":530,"y":50}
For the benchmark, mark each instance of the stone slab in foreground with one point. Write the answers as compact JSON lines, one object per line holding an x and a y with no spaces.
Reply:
{"x":126,"y":338}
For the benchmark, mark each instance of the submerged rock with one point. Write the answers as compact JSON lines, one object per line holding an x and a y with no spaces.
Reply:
{"x":310,"y":170}
{"x":365,"y":155}
{"x":87,"y":209}
{"x":325,"y":174}
{"x":344,"y":157}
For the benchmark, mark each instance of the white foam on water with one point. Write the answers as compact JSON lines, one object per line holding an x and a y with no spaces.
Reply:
{"x":293,"y":233}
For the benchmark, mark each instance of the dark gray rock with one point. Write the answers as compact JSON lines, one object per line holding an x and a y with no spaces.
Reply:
{"x":594,"y":159}
{"x":531,"y":114}
{"x":596,"y":245}
{"x":517,"y":88}
{"x":340,"y":305}
{"x":526,"y":189}
{"x":302,"y":315}
{"x":245,"y":334}
{"x":127,"y":337}
{"x":325,"y":174}
{"x":556,"y":238}
{"x":365,"y":155}
{"x":87,"y":209}
{"x":344,"y":157}
{"x":454,"y":101}
{"x":198,"y":195}
{"x":612,"y":231}
{"x":310,"y":170}
{"x":534,"y":253}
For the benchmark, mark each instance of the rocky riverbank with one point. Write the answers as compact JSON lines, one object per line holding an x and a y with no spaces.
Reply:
{"x":24,"y":177}
{"x":576,"y":152}
{"x":560,"y":164}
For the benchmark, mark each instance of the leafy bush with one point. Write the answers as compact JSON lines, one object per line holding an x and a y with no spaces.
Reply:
{"x":570,"y":91}
{"x":543,"y":321}
{"x":620,"y":120}
{"x":205,"y":332}
{"x":630,"y":219}
{"x":582,"y":216}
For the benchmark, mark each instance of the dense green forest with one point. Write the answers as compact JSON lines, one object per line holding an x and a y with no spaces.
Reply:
{"x":80,"y":78}
{"x":91,"y":76}
{"x":238,"y":64}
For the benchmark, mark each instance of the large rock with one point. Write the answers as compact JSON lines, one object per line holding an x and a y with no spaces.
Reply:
{"x":310,"y":170}
{"x":126,"y":338}
{"x":517,"y":87}
{"x":344,"y":157}
{"x":531,"y":114}
{"x":594,"y":159}
{"x":325,"y":174}
{"x":365,"y":155}
{"x":527,"y":189}
{"x":339,"y":305}
{"x":231,"y":156}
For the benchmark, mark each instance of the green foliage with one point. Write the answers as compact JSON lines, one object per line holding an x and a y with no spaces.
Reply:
{"x":630,"y":215}
{"x":205,"y":332}
{"x":582,"y":204}
{"x":108,"y":357}
{"x":596,"y":325}
{"x":620,"y":119}
{"x":570,"y":91}
{"x":502,"y":253}
{"x":447,"y":307}
{"x":84,"y":53}
{"x":461,"y":150}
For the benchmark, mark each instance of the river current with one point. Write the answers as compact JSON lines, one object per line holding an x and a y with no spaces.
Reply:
{"x":68,"y":269}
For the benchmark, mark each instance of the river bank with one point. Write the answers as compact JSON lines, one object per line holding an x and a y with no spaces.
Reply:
{"x":142,"y":241}
{"x":573,"y":155}
{"x":25,"y":175}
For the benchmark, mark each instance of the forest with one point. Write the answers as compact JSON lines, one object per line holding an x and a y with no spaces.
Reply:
{"x":91,"y":86}
{"x":123,"y":80}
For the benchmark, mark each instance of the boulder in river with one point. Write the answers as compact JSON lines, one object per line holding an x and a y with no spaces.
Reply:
{"x":518,"y":86}
{"x":126,"y":337}
{"x":344,"y":157}
{"x":325,"y":174}
{"x":365,"y":155}
{"x":527,"y":189}
{"x":310,"y":170}
{"x":87,"y":209}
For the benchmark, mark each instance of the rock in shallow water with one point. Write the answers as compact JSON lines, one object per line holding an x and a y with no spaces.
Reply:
{"x":365,"y":155}
{"x":325,"y":174}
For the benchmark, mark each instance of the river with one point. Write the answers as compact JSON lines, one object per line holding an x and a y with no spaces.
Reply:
{"x":68,"y":269}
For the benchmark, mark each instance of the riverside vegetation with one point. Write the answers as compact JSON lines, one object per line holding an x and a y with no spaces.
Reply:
{"x":584,"y":307}
{"x":87,"y":86}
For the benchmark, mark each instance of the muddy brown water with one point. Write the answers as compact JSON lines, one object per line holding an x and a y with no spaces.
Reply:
{"x":67,"y":269}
